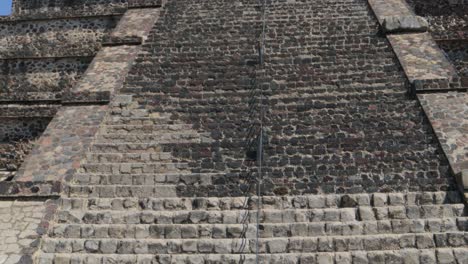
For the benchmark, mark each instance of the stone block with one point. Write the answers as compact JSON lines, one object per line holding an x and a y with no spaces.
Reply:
{"x":404,"y":24}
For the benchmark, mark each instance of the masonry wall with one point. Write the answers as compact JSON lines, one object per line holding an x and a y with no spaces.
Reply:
{"x":45,"y":48}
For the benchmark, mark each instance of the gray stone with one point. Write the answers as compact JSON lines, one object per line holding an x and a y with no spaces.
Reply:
{"x":461,"y":254}
{"x":277,"y":246}
{"x":424,"y":241}
{"x":359,"y":257}
{"x":366,"y":214}
{"x":108,"y":246}
{"x":348,"y":201}
{"x":91,"y":246}
{"x":400,"y":24}
{"x":410,"y":256}
{"x":427,"y":257}
{"x":445,"y":256}
{"x":379,"y":199}
{"x":325,"y":258}
{"x":343,"y":258}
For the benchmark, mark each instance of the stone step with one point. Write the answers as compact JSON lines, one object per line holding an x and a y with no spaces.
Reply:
{"x":362,"y":213}
{"x":131,"y":147}
{"x":268,"y":202}
{"x":133,"y":168}
{"x":307,"y":175}
{"x":160,"y":128}
{"x":311,"y":44}
{"x":234,"y":106}
{"x":325,"y":78}
{"x":135,"y":136}
{"x":279,"y":94}
{"x":134,"y":113}
{"x":215,"y":231}
{"x":324,"y":90}
{"x":111,"y":191}
{"x":320,"y":93}
{"x":144,"y":179}
{"x":427,"y":256}
{"x":117,"y":119}
{"x":128,"y":157}
{"x":266,"y":245}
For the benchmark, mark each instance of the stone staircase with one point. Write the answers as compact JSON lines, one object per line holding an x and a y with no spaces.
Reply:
{"x":352,"y":172}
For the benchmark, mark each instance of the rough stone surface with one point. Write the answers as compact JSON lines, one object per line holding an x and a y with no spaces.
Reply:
{"x":448,"y":114}
{"x":403,"y":24}
{"x":351,"y":172}
{"x":390,"y":8}
{"x":58,"y":152}
{"x":448,"y":19}
{"x":105,"y":75}
{"x":53,"y":38}
{"x":40,"y":9}
{"x":39,"y":80}
{"x":21,"y":225}
{"x":166,"y":173}
{"x":134,"y":26}
{"x":423,"y":61}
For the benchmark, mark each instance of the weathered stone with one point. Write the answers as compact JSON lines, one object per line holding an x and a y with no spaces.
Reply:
{"x":403,"y":24}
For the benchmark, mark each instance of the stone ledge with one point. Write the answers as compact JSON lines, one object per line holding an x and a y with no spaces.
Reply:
{"x":424,"y":64}
{"x":448,"y":115}
{"x":436,"y":86}
{"x":30,"y":189}
{"x":404,"y":24}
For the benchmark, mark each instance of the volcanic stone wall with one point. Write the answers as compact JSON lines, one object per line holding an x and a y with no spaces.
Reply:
{"x":336,"y":121}
{"x":45,"y":48}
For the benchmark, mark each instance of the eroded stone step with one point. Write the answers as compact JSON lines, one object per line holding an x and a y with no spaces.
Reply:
{"x":131,"y":168}
{"x":145,"y":179}
{"x":128,"y":157}
{"x":363,"y":213}
{"x":266,"y":245}
{"x":427,"y":256}
{"x":268,"y":202}
{"x":131,"y":147}
{"x":163,"y":138}
{"x":235,"y":186}
{"x":117,"y":119}
{"x":215,"y":231}
{"x":161,"y":128}
{"x":324,"y":90}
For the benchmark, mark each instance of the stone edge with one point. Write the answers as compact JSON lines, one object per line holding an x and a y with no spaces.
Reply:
{"x":401,"y":6}
{"x":418,"y":85}
{"x":30,"y":189}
